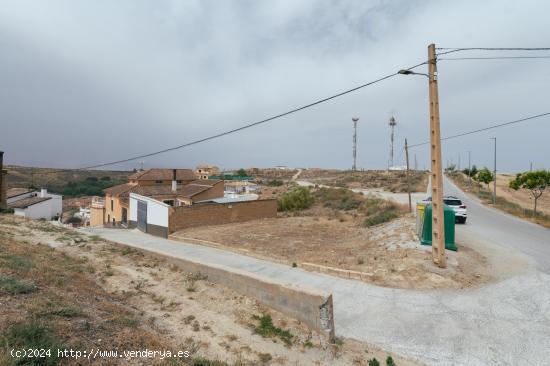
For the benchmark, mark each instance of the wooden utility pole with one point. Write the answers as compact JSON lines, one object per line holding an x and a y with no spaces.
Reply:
{"x":408,"y":180}
{"x":438,"y":224}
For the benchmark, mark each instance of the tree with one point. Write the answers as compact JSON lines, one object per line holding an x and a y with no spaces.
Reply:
{"x":484,"y":176}
{"x":242,"y":173}
{"x":535,"y":181}
{"x":470,"y":172}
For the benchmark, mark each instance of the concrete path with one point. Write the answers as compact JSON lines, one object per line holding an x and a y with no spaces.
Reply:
{"x":504,"y":323}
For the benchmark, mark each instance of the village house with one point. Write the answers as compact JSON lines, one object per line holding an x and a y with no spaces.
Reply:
{"x":171,"y":186}
{"x":206,"y":171}
{"x":34,"y":204}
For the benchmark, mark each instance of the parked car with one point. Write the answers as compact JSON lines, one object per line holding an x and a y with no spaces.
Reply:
{"x":456,"y":204}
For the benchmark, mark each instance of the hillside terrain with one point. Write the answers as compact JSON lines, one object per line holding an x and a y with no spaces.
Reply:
{"x":69,"y":182}
{"x":61,"y":288}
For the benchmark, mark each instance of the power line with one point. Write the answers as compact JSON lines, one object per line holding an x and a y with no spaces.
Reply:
{"x":486,"y":128}
{"x":491,"y":58}
{"x":456,"y":49}
{"x":253,"y":124}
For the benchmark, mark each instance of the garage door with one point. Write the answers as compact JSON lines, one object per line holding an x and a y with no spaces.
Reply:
{"x":142,"y":216}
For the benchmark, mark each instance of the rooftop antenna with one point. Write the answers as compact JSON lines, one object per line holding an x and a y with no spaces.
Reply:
{"x":392,"y":127}
{"x":354,"y":119}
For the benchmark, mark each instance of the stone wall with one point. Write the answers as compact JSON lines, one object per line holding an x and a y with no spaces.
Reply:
{"x":220,"y":213}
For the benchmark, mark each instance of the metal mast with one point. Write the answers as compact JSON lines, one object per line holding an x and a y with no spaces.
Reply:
{"x":354,"y":119}
{"x":392,"y":126}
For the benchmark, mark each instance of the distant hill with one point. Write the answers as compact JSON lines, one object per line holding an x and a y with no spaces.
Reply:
{"x":69,"y":182}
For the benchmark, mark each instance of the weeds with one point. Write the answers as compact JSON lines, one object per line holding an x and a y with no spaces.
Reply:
{"x":13,"y":286}
{"x":266,"y":329}
{"x":17,"y":262}
{"x":33,"y":335}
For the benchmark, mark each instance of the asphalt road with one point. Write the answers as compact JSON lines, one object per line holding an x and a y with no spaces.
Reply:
{"x":504,"y":229}
{"x":502,"y":323}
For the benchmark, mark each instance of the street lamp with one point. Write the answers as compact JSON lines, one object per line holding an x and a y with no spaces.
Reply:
{"x":409,"y":72}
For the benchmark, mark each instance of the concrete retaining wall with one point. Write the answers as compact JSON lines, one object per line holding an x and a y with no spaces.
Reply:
{"x":312,"y":307}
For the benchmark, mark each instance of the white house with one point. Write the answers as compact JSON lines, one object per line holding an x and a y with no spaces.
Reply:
{"x":36,"y":205}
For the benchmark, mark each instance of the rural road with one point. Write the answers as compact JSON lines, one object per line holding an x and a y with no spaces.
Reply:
{"x":504,"y":229}
{"x":502,"y":323}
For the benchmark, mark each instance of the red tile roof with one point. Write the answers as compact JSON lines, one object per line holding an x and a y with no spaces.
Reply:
{"x":163,"y":174}
{"x":119,"y":189}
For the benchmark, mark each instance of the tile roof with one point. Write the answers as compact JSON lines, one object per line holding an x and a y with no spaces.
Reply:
{"x":14,"y":192}
{"x":119,"y":189}
{"x":191,"y":190}
{"x":163,"y":174}
{"x":154,"y":190}
{"x":26,"y":202}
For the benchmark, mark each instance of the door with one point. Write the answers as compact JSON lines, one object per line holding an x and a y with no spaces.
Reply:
{"x":142,"y":216}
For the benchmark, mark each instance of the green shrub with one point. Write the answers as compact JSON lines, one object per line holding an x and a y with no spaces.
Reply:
{"x":12,"y":286}
{"x":267,"y":329}
{"x":33,"y":335}
{"x":298,"y":199}
{"x":374,"y":362}
{"x":275,"y":183}
{"x":379,"y":218}
{"x":389,"y":361}
{"x":378,"y":211}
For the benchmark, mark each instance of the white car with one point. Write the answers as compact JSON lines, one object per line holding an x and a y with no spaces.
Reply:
{"x":456,"y":204}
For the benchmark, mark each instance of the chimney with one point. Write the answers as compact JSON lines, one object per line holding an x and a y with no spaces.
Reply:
{"x":174,"y":181}
{"x":3,"y":182}
{"x":43,"y":192}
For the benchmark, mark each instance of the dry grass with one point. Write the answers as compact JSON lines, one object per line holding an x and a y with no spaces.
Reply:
{"x":65,"y":308}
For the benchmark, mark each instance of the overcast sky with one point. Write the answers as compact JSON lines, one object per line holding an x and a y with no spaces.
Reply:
{"x":84,"y":82}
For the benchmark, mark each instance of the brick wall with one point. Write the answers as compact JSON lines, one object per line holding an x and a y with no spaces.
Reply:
{"x":220,"y":213}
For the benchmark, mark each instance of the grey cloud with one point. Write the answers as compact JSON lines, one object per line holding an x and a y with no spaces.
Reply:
{"x":144,"y":75}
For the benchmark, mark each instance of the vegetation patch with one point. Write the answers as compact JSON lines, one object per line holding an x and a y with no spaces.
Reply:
{"x":267,"y":330}
{"x":32,"y":335}
{"x":299,"y":198}
{"x":13,"y":286}
{"x":378,"y":211}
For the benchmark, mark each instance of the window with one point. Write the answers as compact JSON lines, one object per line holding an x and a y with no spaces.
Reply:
{"x":158,"y":182}
{"x":169,"y":202}
{"x":112,"y":204}
{"x":180,"y":181}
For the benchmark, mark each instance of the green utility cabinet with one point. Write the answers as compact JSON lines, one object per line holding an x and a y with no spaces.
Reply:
{"x":449,"y":215}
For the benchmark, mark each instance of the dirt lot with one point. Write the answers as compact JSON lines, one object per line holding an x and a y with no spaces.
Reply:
{"x":80,"y":291}
{"x":390,"y":251}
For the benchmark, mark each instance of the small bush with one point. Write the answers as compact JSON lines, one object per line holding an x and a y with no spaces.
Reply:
{"x":12,"y":286}
{"x":33,"y":335}
{"x":267,"y":329}
{"x":389,"y":361}
{"x":374,"y":362}
{"x":379,"y":218}
{"x":298,"y":199}
{"x":275,"y":183}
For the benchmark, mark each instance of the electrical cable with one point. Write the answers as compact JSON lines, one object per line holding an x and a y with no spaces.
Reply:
{"x":486,"y":128}
{"x":249,"y":125}
{"x":452,"y":50}
{"x":492,"y":58}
